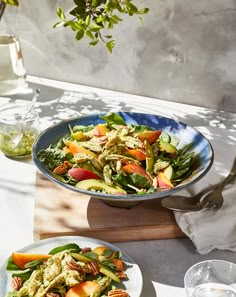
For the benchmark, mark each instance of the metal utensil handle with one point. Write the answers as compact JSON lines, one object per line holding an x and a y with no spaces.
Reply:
{"x":230,"y":177}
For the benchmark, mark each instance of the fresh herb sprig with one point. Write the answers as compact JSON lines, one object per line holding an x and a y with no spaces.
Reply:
{"x":94,"y":18}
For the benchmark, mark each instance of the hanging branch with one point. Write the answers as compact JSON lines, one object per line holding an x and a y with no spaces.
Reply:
{"x":92,"y":18}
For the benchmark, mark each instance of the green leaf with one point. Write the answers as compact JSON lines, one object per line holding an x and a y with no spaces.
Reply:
{"x":110,"y":45}
{"x":60,"y":13}
{"x":75,"y":25}
{"x":100,"y":19}
{"x":24,"y":274}
{"x":89,"y":34}
{"x":70,"y":246}
{"x":11,"y":2}
{"x":79,"y":34}
{"x":33,"y":263}
{"x":11,"y":265}
{"x":112,"y":118}
{"x":94,"y":42}
{"x":87,"y":20}
{"x":95,"y":27}
{"x":140,"y":181}
{"x":116,"y":18}
{"x":143,"y":11}
{"x":57,"y":24}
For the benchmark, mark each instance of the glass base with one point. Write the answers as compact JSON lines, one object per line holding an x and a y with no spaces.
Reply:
{"x":7,"y":89}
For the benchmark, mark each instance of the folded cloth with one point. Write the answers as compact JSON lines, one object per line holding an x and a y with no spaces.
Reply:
{"x":213,"y":229}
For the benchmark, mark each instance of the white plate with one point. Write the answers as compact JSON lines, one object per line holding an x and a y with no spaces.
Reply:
{"x":133,"y":285}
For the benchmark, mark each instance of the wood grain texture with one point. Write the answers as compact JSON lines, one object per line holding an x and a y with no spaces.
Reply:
{"x":59,"y":211}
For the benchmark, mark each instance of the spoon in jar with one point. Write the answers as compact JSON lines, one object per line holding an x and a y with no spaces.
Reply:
{"x":17,"y":139}
{"x":33,"y":101}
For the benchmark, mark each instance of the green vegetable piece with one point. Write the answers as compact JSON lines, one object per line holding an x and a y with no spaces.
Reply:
{"x":81,"y":257}
{"x":113,"y":119}
{"x":165,"y":136}
{"x":169,"y":172}
{"x":160,"y":164}
{"x":174,"y":140}
{"x":33,"y":264}
{"x":99,"y":185}
{"x":166,"y":147}
{"x":24,"y":274}
{"x":149,"y":156}
{"x":11,"y":265}
{"x":109,"y":273}
{"x":71,"y":246}
{"x":103,"y":269}
{"x":140,"y":181}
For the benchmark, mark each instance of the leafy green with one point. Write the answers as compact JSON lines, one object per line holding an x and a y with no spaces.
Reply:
{"x":24,"y":274}
{"x":11,"y":265}
{"x":71,"y":246}
{"x":33,"y":263}
{"x":82,"y":128}
{"x":140,"y":181}
{"x":113,"y":119}
{"x":51,"y":157}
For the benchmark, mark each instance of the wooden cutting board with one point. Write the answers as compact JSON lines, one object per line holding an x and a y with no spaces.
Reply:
{"x":59,"y":212}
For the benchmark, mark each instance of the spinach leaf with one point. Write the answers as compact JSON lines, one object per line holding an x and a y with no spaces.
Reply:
{"x":33,"y":264}
{"x":121,"y":179}
{"x":11,"y":265}
{"x":24,"y":274}
{"x":51,"y":157}
{"x":140,"y":181}
{"x":71,"y":246}
{"x":113,"y":119}
{"x":82,"y":128}
{"x":140,"y":128}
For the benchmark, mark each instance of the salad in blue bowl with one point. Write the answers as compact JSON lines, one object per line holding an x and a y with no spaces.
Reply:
{"x":123,"y":157}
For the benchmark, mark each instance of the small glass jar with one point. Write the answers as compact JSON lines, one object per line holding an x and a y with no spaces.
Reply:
{"x":19,"y":127}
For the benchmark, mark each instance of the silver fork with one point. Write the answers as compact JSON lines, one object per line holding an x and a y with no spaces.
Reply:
{"x":210,"y":198}
{"x":215,"y":199}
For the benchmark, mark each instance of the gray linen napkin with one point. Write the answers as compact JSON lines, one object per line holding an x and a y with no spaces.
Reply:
{"x":213,"y":229}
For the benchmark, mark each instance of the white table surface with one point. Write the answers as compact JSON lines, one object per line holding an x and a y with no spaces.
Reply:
{"x":163,"y":262}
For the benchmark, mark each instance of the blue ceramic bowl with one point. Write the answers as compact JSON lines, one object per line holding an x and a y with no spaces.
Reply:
{"x":202,"y":149}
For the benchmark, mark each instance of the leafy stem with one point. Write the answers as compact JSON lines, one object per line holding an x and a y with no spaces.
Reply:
{"x":94,"y":18}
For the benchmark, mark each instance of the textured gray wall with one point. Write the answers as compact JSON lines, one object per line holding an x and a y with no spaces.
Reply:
{"x":185,"y":51}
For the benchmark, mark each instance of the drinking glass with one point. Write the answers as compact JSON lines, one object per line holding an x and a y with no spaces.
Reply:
{"x":211,"y":278}
{"x":19,"y":127}
{"x":12,"y":70}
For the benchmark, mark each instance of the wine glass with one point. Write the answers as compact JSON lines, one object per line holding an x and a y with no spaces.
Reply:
{"x":211,"y":278}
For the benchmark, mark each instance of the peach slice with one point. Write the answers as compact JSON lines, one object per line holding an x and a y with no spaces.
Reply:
{"x":83,"y":289}
{"x":100,"y":130}
{"x":20,"y":259}
{"x":75,"y":148}
{"x":82,"y":174}
{"x":163,"y":181}
{"x":134,"y":168}
{"x":137,"y":154}
{"x":150,"y":136}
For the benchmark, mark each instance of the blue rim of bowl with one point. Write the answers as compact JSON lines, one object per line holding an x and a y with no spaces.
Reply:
{"x":128,"y":197}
